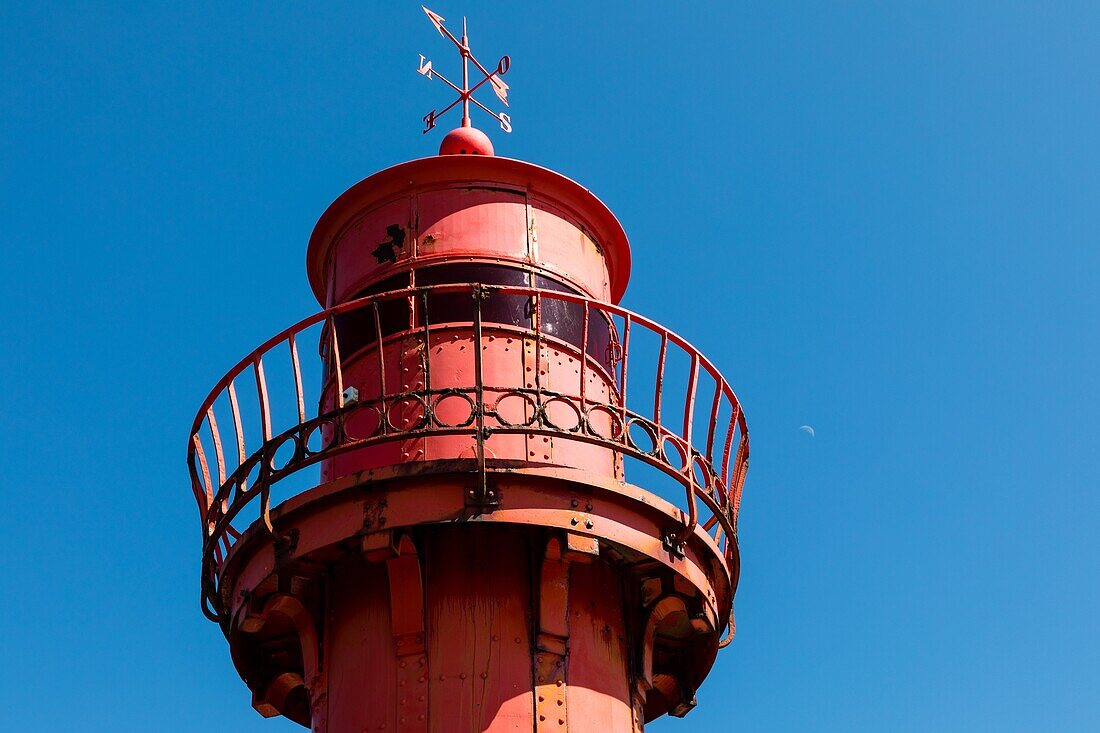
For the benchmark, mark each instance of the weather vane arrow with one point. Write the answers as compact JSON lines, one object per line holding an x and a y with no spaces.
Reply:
{"x":466,"y":92}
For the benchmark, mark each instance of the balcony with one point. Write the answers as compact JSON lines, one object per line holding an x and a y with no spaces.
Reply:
{"x":468,"y":378}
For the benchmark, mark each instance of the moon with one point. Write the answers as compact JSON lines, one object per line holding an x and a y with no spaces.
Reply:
{"x":808,"y":429}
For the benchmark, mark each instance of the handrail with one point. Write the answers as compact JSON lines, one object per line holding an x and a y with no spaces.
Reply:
{"x":716,"y":483}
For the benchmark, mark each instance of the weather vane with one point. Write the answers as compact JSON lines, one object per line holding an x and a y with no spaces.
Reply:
{"x":465,"y":92}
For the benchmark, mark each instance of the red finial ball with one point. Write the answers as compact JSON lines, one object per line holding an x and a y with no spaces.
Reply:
{"x":466,"y":141}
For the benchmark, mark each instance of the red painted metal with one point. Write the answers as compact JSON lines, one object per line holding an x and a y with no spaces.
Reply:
{"x":461,"y":550}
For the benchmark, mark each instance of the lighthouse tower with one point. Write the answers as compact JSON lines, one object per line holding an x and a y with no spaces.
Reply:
{"x":494,"y":500}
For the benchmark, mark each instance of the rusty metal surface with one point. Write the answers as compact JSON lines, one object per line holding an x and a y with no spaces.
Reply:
{"x":711,"y":472}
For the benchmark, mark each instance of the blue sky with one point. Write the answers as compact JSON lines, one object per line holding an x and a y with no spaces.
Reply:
{"x":880,"y":219}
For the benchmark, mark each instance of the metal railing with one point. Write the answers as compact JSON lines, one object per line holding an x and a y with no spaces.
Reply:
{"x":658,"y":426}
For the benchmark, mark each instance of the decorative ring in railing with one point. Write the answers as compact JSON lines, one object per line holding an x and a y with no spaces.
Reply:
{"x":623,"y":401}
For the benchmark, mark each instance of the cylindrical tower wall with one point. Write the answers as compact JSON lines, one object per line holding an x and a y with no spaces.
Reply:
{"x":491,"y":597}
{"x":501,"y":222}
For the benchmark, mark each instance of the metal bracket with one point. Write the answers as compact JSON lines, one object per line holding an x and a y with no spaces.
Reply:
{"x":484,"y":497}
{"x":285,"y":544}
{"x":552,"y":640}
{"x":672,"y":543}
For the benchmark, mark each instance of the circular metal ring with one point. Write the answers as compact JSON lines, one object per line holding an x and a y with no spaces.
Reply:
{"x":700,"y":468}
{"x":677,"y":443}
{"x":317,"y":432}
{"x":407,"y":399}
{"x":615,"y":422}
{"x":278,"y":464}
{"x":362,"y":423}
{"x":456,"y":395}
{"x":528,"y":401}
{"x":573,"y":407}
{"x":650,"y":430}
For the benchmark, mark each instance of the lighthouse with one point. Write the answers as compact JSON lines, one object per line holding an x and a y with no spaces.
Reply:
{"x":480,"y":495}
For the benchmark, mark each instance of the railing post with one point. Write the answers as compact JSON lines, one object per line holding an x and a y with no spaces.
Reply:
{"x":481,"y":495}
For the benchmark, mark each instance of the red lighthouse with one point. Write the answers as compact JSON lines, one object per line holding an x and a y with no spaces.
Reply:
{"x":438,"y":531}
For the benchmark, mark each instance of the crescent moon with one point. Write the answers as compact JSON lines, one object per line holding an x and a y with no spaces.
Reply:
{"x":809,"y":429}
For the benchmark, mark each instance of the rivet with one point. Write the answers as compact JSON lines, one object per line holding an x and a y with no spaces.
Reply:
{"x":462,"y":676}
{"x":542,"y":717}
{"x":561,"y":702}
{"x":574,"y":503}
{"x":588,"y":523}
{"x":541,"y":698}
